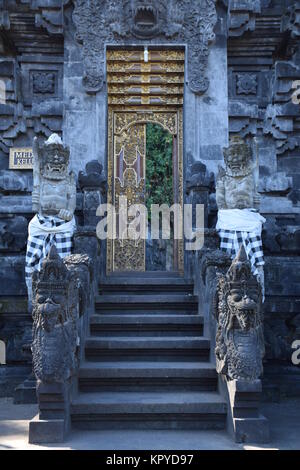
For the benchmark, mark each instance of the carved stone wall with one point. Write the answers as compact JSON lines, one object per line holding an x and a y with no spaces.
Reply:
{"x":205,"y":78}
{"x":263,"y":78}
{"x":31,"y":103}
{"x":252,"y":70}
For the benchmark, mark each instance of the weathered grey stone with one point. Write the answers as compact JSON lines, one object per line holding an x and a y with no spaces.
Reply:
{"x":54,"y":321}
{"x":45,"y":431}
{"x":54,"y":188}
{"x":235,"y":187}
{"x":278,"y":182}
{"x":239,"y":339}
{"x":12,"y":276}
{"x":14,"y":181}
{"x":13,"y":233}
{"x":93,"y":184}
{"x":258,"y":65}
{"x":121,"y":22}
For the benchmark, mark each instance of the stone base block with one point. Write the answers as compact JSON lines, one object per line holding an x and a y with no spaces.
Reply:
{"x":251,"y":430}
{"x":46,"y":431}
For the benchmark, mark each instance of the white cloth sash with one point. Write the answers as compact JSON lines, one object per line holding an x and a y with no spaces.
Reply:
{"x":242,"y":220}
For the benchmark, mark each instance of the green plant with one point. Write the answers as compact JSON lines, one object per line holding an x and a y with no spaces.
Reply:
{"x":159,"y":169}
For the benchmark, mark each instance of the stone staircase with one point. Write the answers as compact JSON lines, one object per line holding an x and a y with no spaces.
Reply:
{"x":146,"y":361}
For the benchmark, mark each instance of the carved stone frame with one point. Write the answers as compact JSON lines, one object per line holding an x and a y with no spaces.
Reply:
{"x":171,"y":120}
{"x":99,"y":22}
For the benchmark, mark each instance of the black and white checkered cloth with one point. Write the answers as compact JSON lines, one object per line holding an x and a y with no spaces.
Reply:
{"x":38,"y":246}
{"x":231,"y":241}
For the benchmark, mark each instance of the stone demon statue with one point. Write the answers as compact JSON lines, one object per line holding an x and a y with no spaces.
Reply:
{"x":239,"y":338}
{"x":54,"y":201}
{"x":54,"y":321}
{"x":235,"y":188}
{"x":54,"y":188}
{"x":239,"y":221}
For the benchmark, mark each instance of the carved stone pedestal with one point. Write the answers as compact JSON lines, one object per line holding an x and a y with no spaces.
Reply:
{"x":92,"y":183}
{"x":63,"y":301}
{"x":52,"y":424}
{"x":245,"y":423}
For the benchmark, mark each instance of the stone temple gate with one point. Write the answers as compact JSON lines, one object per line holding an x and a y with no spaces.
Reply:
{"x":208,"y":73}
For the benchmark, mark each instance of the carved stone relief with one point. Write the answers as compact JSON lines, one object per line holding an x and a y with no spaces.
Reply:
{"x":239,"y":339}
{"x":43,"y":82}
{"x":246,"y":83}
{"x":54,"y":321}
{"x":100,"y":22}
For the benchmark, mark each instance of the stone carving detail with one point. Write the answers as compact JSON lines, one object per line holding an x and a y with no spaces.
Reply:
{"x":246,"y":84}
{"x":239,"y":338}
{"x":93,"y":184}
{"x":118,"y":22}
{"x":238,"y":201}
{"x":13,"y":233}
{"x":54,"y":200}
{"x":43,"y":82}
{"x":198,"y":185}
{"x":54,"y":188}
{"x":242,"y":16}
{"x":54,"y":321}
{"x":235,"y":187}
{"x":291,"y":20}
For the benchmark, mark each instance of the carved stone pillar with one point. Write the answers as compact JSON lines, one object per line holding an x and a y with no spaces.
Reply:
{"x":197,"y":188}
{"x":93,"y":183}
{"x":54,"y":346}
{"x":240,"y":348}
{"x":63,"y":300}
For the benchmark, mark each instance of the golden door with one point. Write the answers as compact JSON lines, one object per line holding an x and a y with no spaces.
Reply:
{"x":140,"y":93}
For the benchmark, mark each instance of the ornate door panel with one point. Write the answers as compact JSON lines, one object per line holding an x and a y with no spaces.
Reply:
{"x":129,"y":181}
{"x":141,"y":92}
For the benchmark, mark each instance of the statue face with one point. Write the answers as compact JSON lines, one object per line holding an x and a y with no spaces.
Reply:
{"x":235,"y":160}
{"x":50,"y":308}
{"x":147,"y":17}
{"x":237,"y":157}
{"x":243,"y":304}
{"x":55,"y":162}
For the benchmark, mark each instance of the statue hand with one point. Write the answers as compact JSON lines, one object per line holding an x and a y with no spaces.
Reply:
{"x":256,"y":201}
{"x":35,"y":201}
{"x":65,"y":214}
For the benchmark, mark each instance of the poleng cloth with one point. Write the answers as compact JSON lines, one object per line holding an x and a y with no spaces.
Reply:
{"x":43,"y":232}
{"x":242,"y":226}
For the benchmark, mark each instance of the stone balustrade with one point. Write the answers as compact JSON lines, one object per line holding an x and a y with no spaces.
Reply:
{"x":230,"y":299}
{"x":63,"y":300}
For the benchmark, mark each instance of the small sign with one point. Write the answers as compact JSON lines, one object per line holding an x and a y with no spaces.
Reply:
{"x":20,"y":158}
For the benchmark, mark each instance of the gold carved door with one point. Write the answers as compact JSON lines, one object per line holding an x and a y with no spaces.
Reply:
{"x":140,"y":92}
{"x":129,"y":182}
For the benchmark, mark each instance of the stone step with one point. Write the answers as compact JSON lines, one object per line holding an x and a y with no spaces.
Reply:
{"x":147,"y":348}
{"x":146,"y":325}
{"x":147,"y":376}
{"x":151,"y":304}
{"x":25,"y":392}
{"x":148,"y":410}
{"x":145,"y":286}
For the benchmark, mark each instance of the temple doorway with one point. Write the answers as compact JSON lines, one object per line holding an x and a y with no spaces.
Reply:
{"x":145,"y":141}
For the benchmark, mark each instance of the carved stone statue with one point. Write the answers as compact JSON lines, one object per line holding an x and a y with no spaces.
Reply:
{"x":54,"y":321}
{"x":54,"y":200}
{"x":238,"y":202}
{"x":239,"y":339}
{"x":235,"y":187}
{"x":92,"y":182}
{"x":54,"y":188}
